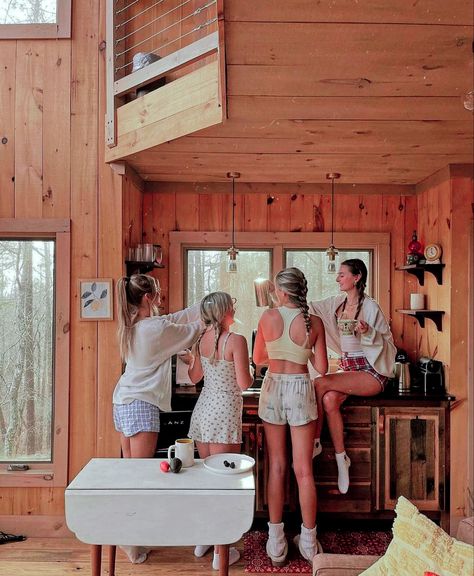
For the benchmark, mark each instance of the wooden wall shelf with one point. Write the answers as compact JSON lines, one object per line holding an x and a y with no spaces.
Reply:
{"x":136,"y":267}
{"x":418,"y":270}
{"x":420,"y":315}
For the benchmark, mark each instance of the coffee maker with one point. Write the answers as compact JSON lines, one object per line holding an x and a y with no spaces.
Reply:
{"x":430,"y":375}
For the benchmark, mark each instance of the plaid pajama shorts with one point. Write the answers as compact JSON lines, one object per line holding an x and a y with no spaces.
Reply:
{"x":138,"y":416}
{"x":360,"y":363}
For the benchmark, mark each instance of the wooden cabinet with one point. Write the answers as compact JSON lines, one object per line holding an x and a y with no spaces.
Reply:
{"x":398,"y":445}
{"x":358,"y":440}
{"x":411,"y":457}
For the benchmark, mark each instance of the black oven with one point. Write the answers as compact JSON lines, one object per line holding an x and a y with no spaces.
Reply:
{"x":173,"y":425}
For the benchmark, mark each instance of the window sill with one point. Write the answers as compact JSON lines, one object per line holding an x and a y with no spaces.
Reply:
{"x":36,"y":477}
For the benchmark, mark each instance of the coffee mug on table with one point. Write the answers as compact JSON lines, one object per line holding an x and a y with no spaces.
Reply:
{"x":183,"y":449}
{"x":347,"y":326}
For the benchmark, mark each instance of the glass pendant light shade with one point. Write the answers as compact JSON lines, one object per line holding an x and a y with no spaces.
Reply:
{"x":332,"y":253}
{"x":232,"y":252}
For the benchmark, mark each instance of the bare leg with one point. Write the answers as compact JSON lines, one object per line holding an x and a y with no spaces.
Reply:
{"x":143,"y":444}
{"x":354,"y":383}
{"x":275,"y":436}
{"x":302,"y":443}
{"x":332,"y":407}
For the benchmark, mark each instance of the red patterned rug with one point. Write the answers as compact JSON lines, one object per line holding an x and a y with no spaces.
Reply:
{"x":335,"y":542}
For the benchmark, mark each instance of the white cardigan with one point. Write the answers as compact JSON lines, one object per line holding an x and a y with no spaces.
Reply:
{"x":156,"y":339}
{"x":377,"y":343}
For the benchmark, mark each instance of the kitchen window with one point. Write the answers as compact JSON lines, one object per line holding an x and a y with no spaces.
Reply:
{"x":198,"y":266}
{"x":34,"y":352}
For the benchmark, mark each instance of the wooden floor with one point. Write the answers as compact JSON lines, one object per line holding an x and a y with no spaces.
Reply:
{"x":68,"y":556}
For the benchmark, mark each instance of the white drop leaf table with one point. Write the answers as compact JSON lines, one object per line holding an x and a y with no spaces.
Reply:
{"x":129,"y":501}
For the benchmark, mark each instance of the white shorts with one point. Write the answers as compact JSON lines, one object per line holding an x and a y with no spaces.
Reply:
{"x":287,"y":399}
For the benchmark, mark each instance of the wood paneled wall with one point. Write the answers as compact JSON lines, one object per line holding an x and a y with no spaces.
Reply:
{"x":445,"y":214}
{"x":51,"y":166}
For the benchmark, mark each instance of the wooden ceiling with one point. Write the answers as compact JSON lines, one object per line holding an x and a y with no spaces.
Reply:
{"x":373,"y":90}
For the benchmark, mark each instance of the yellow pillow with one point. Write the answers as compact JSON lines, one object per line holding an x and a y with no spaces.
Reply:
{"x":419,"y":545}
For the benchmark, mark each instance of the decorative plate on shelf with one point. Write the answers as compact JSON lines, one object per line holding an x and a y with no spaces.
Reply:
{"x":433,"y":253}
{"x":228,"y":463}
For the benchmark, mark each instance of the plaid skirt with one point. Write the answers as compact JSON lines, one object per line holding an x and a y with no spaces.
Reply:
{"x":360,"y":363}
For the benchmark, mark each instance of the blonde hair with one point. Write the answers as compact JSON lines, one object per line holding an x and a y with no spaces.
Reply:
{"x":130,"y":292}
{"x":214,"y":308}
{"x":293,"y":282}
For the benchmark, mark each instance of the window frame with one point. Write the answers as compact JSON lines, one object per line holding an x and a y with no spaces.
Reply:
{"x":52,"y":473}
{"x":377,"y":242}
{"x":60,"y":29}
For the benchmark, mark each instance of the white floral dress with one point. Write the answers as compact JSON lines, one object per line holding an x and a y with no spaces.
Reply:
{"x":217,"y":416}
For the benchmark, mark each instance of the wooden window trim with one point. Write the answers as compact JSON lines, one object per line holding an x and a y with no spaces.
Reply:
{"x":377,"y":242}
{"x":54,"y":473}
{"x":60,"y":29}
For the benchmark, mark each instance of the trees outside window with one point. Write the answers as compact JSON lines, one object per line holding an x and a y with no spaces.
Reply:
{"x":34,"y":351}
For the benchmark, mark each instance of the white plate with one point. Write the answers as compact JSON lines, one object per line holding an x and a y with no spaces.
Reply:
{"x":215,"y":463}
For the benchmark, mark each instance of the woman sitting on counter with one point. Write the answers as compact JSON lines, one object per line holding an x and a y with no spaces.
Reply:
{"x":287,"y":337}
{"x":357,"y":330}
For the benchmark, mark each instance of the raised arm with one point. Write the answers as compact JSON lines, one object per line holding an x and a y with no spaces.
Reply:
{"x":195,"y":371}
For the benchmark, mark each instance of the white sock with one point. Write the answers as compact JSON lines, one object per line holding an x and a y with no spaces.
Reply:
{"x":343,"y":463}
{"x":201,"y":549}
{"x":317,"y":447}
{"x":234,"y":556}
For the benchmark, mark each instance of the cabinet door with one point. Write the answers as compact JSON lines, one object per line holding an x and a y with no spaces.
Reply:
{"x":411,"y":457}
{"x":358,"y":444}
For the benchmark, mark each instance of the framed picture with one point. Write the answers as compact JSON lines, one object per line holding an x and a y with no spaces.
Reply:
{"x":96,"y":299}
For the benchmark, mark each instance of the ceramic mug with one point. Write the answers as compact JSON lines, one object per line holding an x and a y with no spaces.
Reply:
{"x":183,"y":449}
{"x":347,"y":326}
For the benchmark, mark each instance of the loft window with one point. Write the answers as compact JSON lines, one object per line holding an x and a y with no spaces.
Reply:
{"x":35,"y":19}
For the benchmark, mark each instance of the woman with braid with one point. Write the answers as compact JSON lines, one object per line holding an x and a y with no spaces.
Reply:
{"x":222,"y":357}
{"x":287,"y":337}
{"x":367,"y":355}
{"x":147,"y":342}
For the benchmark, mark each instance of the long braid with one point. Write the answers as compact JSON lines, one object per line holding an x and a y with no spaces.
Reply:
{"x":294,"y":283}
{"x":217,"y":333}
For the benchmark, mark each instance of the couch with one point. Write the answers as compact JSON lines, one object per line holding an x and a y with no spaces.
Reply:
{"x":353,"y":565}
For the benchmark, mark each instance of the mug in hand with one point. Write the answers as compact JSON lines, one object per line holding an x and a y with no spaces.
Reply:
{"x":347,"y":326}
{"x":183,"y":449}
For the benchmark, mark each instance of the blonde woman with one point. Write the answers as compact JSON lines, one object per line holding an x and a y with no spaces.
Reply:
{"x":147,"y":342}
{"x":222,"y":358}
{"x":287,"y":337}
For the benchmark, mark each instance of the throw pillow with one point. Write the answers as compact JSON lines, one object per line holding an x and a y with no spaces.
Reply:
{"x":419,"y":545}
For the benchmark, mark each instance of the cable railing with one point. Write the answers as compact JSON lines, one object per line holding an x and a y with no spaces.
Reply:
{"x":149,"y":42}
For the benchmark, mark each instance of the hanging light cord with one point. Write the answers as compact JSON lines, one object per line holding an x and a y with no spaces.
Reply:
{"x":233,"y":210}
{"x":332,"y":211}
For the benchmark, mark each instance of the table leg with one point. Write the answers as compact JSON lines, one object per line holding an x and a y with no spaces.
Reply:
{"x":224,"y":560}
{"x":112,"y":552}
{"x":96,"y":557}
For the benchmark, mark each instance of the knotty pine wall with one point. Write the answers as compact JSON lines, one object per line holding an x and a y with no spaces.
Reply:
{"x":51,"y":166}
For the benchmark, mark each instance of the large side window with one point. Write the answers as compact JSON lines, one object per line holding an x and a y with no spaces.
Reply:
{"x":34,"y":345}
{"x":35,"y":19}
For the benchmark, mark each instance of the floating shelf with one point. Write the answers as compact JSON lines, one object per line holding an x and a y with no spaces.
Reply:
{"x":137,"y":267}
{"x":418,"y":270}
{"x":420,"y":315}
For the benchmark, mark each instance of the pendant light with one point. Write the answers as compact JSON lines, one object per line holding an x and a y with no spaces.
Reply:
{"x":332,"y":252}
{"x":232,"y":251}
